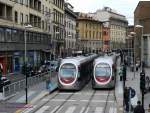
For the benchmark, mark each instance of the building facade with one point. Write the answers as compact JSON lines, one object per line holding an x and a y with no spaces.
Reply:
{"x":70,"y":29}
{"x":130,"y":41}
{"x":117,"y":25}
{"x":89,"y":32}
{"x":58,"y":27}
{"x":142,"y":18}
{"x":105,"y":36}
{"x":14,"y":18}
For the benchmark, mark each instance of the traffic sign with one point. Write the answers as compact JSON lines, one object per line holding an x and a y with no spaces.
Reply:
{"x":132,"y":92}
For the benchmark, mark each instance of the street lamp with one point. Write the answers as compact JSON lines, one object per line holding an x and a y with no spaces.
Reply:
{"x":140,"y":26}
{"x":69,"y":48}
{"x":25,"y":59}
{"x":129,"y":46}
{"x":133,"y":34}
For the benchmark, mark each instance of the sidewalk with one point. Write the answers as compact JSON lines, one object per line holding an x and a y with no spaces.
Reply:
{"x":35,"y":93}
{"x":134,"y":82}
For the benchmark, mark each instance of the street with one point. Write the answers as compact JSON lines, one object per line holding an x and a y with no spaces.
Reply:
{"x":84,"y":101}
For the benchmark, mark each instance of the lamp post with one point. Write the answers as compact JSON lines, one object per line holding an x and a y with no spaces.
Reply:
{"x":69,"y":36}
{"x":133,"y":33}
{"x":128,"y":46}
{"x":56,"y":43}
{"x":140,"y":26}
{"x":25,"y":59}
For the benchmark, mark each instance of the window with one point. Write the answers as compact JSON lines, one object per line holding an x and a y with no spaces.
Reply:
{"x":43,"y":9}
{"x":8,"y":35}
{"x":26,"y":18}
{"x":21,"y":1}
{"x":14,"y":35}
{"x":2,"y":35}
{"x":16,"y":16}
{"x":21,"y":18}
{"x":26,"y":2}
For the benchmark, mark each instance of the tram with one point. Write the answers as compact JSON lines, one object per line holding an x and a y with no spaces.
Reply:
{"x":104,"y":72}
{"x":75,"y":72}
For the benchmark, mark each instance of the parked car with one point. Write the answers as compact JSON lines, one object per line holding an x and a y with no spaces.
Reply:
{"x":42,"y":69}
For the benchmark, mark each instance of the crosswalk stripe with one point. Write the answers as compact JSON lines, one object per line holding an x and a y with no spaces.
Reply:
{"x":29,"y":109}
{"x":112,"y":110}
{"x":82,"y":109}
{"x":98,"y":110}
{"x":54,"y":110}
{"x":70,"y":109}
{"x":87,"y":110}
{"x":42,"y":109}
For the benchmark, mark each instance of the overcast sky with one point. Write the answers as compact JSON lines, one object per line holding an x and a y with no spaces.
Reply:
{"x":124,"y":7}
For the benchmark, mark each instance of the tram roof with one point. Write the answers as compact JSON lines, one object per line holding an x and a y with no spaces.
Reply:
{"x":77,"y":60}
{"x":105,"y":59}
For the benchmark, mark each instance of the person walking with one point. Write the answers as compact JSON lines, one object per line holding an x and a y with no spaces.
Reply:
{"x":139,"y":108}
{"x":1,"y":70}
{"x":126,"y":98}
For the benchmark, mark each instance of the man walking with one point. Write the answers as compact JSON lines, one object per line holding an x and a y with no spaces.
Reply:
{"x":139,"y":108}
{"x":1,"y":71}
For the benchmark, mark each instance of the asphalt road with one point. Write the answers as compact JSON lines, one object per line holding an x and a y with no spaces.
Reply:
{"x":85,"y":101}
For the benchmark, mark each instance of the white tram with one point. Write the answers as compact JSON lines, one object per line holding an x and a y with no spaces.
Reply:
{"x":104,"y":73}
{"x":75,"y":72}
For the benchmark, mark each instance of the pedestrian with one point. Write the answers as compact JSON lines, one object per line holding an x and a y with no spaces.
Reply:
{"x":126,"y":98}
{"x":139,"y":108}
{"x":1,"y":70}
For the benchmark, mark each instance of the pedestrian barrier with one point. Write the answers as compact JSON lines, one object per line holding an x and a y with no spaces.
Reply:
{"x":13,"y":88}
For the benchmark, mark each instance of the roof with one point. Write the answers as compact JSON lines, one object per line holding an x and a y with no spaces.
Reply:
{"x":78,"y":60}
{"x":104,"y":59}
{"x":142,"y":4}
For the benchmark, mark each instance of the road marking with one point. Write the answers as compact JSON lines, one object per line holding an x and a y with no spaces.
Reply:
{"x":71,"y":100}
{"x":112,"y":110}
{"x":100,"y":101}
{"x":82,"y":109}
{"x":62,"y":93}
{"x":54,"y":109}
{"x":42,"y":109}
{"x":88,"y":93}
{"x":60,"y":100}
{"x":29,"y":109}
{"x":70,"y":109}
{"x":45,"y":99}
{"x":22,"y":99}
{"x":42,"y":94}
{"x":99,"y":110}
{"x":87,"y":110}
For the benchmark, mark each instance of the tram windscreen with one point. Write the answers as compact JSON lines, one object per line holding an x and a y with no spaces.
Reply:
{"x":102,"y":70}
{"x":68,"y":70}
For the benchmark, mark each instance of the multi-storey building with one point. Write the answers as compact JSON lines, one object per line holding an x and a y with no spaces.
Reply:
{"x":117,"y":26}
{"x":58,"y":27}
{"x":142,"y":19}
{"x":70,"y":29}
{"x":15,"y":15}
{"x":89,"y":32}
{"x":130,"y":41}
{"x":105,"y":37}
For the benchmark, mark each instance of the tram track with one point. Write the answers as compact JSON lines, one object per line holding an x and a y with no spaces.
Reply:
{"x":87,"y":105}
{"x":106,"y":103}
{"x":55,"y":96}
